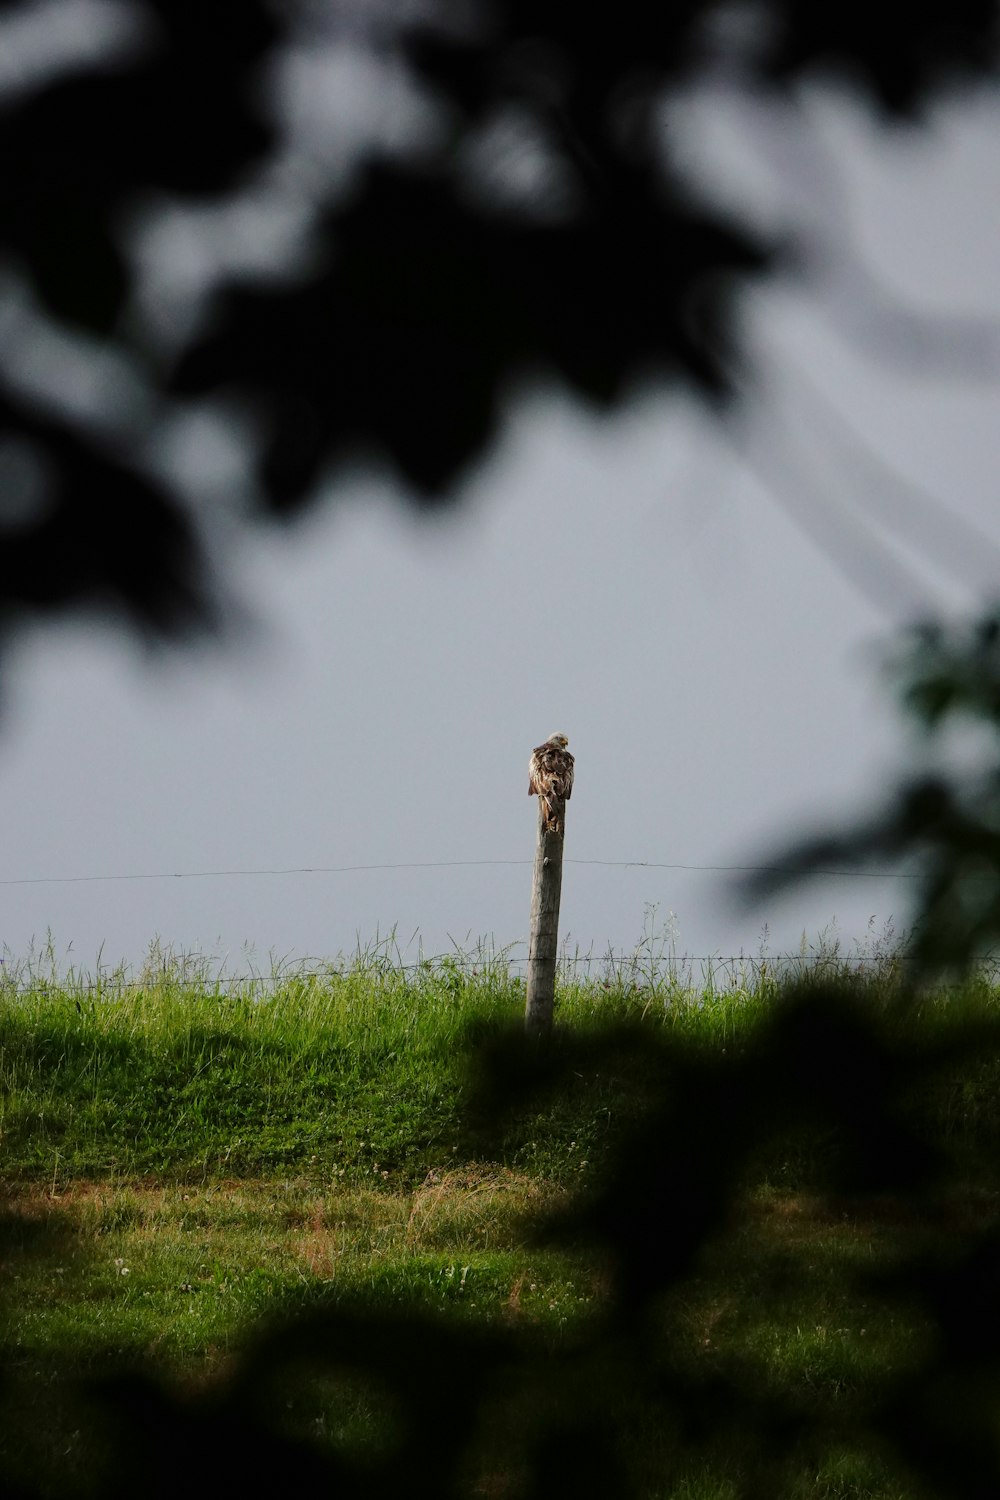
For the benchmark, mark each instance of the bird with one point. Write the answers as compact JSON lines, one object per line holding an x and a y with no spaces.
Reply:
{"x":550,"y":778}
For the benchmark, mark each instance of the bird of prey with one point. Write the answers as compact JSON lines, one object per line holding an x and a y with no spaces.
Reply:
{"x":550,"y":778}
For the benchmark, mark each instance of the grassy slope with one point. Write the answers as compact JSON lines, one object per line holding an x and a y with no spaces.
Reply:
{"x":353,"y":1073}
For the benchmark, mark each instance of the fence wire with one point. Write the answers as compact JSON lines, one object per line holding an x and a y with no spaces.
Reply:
{"x":455,"y":864}
{"x":639,"y":969}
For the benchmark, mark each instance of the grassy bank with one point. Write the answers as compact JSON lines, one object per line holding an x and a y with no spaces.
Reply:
{"x":357,"y":1071}
{"x":363,"y":1071}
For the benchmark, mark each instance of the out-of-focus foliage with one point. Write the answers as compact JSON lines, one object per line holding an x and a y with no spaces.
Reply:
{"x":543,"y":228}
{"x":952,"y":672}
{"x":942,"y":825}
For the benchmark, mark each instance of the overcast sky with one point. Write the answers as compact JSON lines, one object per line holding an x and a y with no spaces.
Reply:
{"x":674,"y":601}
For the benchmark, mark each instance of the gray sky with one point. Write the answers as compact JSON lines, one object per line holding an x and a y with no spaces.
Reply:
{"x":635,"y":582}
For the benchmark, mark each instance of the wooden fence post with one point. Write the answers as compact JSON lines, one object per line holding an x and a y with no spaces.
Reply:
{"x":543,"y":940}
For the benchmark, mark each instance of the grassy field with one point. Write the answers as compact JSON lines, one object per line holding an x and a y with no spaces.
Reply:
{"x":187,"y":1161}
{"x":179,"y":1278}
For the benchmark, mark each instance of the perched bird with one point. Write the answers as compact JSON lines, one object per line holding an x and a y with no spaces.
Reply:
{"x":550,"y":778}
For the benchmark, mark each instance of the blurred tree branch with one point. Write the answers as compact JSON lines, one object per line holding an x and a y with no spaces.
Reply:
{"x":539,"y":226}
{"x":944,"y":823}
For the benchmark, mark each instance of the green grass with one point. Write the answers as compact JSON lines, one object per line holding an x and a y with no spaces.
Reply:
{"x":361,"y":1072}
{"x":179,"y":1277}
{"x":185,"y":1158}
{"x":356,"y":1071}
{"x":183,"y":1272}
{"x":103,"y":1276}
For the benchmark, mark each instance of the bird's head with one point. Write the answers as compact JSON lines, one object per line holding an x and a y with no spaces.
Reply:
{"x":559,"y":739}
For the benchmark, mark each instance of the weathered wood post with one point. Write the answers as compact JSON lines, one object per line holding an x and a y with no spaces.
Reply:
{"x":543,"y":939}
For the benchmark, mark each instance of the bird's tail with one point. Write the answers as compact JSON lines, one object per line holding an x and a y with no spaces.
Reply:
{"x":553,"y":811}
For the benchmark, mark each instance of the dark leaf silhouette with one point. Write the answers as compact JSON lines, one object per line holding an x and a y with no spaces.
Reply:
{"x":435,"y":288}
{"x":943,"y":826}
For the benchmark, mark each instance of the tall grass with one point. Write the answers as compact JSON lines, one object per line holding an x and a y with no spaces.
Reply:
{"x":348,"y":1068}
{"x":355,"y":1068}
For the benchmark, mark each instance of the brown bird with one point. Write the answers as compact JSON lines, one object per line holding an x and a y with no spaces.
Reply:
{"x":550,"y":778}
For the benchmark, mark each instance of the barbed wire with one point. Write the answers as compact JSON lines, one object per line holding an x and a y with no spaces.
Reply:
{"x":636,"y":965}
{"x":275,"y":981}
{"x":446,"y":864}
